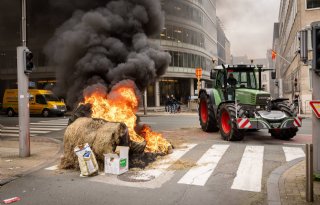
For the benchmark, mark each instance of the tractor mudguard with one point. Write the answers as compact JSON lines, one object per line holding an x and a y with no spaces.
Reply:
{"x":279,"y":100}
{"x":214,"y":96}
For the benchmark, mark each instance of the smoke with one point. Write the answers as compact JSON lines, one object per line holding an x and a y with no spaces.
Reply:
{"x":107,"y":45}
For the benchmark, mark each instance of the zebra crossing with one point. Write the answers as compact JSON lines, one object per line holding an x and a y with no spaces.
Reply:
{"x":248,"y":167}
{"x":36,"y":128}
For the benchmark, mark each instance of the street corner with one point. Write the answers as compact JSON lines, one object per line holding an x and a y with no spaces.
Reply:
{"x":12,"y":166}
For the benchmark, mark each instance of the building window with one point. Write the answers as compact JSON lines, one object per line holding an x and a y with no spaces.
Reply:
{"x":188,"y":60}
{"x":311,"y":4}
{"x":182,"y":35}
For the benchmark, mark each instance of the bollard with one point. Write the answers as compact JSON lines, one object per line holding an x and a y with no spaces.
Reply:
{"x":309,"y":173}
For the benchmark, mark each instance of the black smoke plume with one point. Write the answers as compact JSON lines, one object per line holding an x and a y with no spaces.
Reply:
{"x":107,"y":45}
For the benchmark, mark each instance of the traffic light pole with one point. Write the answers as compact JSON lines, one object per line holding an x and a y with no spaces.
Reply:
{"x":23,"y":85}
{"x":23,"y":99}
{"x":316,"y":96}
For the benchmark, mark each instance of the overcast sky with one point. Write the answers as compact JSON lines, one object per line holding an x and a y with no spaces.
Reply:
{"x":248,"y":25}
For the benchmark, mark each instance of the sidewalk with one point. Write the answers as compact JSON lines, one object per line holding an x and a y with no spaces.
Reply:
{"x":12,"y":166}
{"x":292,"y":186}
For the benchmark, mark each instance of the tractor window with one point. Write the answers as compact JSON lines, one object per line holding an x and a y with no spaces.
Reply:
{"x":252,"y":80}
{"x":245,"y":79}
{"x":220,"y":80}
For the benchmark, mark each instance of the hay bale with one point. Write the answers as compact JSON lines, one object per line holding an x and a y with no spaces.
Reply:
{"x":83,"y":110}
{"x":102,"y":136}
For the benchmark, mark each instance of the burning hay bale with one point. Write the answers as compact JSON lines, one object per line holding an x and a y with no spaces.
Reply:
{"x":102,"y":136}
{"x":83,"y":110}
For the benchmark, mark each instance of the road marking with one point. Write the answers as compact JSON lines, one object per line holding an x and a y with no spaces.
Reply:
{"x":292,"y":153}
{"x":13,"y":135}
{"x":149,"y":123}
{"x":249,"y":174}
{"x":48,"y":126}
{"x":52,"y":168}
{"x":205,"y":166}
{"x":34,"y":128}
{"x":32,"y":131}
{"x":160,"y":166}
{"x":42,"y":123}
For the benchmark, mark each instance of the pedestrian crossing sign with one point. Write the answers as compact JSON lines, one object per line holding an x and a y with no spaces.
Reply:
{"x":315,"y":105}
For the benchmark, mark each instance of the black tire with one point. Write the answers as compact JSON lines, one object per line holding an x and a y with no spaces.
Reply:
{"x":228,"y":123}
{"x":283,"y":134}
{"x":285,"y":108}
{"x":207,"y":118}
{"x":45,"y":113}
{"x":10,"y":112}
{"x":60,"y":114}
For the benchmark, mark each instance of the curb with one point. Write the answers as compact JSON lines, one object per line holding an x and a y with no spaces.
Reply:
{"x":273,"y":191}
{"x":40,"y":166}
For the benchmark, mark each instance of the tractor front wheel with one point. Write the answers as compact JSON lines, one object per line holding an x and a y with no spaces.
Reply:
{"x":207,"y":117}
{"x":228,"y":123}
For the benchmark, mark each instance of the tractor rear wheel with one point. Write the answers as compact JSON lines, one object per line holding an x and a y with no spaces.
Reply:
{"x":207,"y":118}
{"x":283,"y":134}
{"x":285,"y":108}
{"x":228,"y":123}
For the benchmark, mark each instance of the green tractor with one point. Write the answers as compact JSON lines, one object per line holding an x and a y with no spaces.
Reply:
{"x":237,"y":103}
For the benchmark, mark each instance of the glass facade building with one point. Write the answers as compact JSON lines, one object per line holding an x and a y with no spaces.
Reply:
{"x":191,"y":35}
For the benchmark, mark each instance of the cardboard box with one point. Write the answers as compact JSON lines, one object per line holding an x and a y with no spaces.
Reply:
{"x":118,"y":162}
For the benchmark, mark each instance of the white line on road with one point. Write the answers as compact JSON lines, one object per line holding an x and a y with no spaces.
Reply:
{"x":249,"y":174}
{"x":161,"y":166}
{"x":149,"y":123}
{"x":292,"y":153}
{"x":205,"y":166}
{"x":34,"y":128}
{"x":43,"y":123}
{"x":16,"y":131}
{"x":52,"y":168}
{"x":13,"y":135}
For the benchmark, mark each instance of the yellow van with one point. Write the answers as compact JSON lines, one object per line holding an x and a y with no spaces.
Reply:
{"x":42,"y":102}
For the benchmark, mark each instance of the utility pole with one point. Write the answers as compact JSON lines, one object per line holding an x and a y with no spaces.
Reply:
{"x":23,"y":85}
{"x":316,"y":94}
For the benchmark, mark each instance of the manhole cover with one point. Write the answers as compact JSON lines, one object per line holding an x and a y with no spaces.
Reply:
{"x":136,"y":177}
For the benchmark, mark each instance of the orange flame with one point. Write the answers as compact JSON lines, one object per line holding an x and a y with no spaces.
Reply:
{"x":120,"y":106}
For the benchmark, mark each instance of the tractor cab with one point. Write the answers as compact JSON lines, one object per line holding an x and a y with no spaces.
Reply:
{"x":240,"y":76}
{"x":238,"y":81}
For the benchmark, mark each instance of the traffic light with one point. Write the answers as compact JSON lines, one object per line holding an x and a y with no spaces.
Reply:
{"x":303,"y":40}
{"x":316,"y":46}
{"x":27,"y":58}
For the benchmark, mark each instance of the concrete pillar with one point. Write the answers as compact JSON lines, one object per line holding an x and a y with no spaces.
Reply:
{"x":191,"y":87}
{"x":157,"y":93}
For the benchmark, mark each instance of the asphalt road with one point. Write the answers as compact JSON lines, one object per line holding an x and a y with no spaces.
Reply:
{"x":221,"y":184}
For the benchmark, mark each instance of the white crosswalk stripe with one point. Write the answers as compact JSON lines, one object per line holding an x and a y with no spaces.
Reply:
{"x":205,"y":166}
{"x":248,"y":167}
{"x":249,"y":173}
{"x":41,"y":127}
{"x":292,"y":153}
